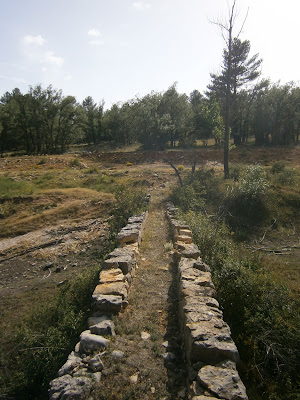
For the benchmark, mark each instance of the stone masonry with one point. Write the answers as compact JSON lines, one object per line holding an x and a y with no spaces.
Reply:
{"x":82,"y":370}
{"x":210,"y":352}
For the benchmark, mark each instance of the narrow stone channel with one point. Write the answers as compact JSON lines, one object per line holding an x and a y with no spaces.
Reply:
{"x":144,"y":360}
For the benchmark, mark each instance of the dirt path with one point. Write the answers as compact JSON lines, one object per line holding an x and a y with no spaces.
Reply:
{"x":152,"y":367}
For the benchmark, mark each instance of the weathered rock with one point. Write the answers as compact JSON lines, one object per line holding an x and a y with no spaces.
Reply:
{"x":90,"y":343}
{"x":117,"y":354}
{"x":183,"y":239}
{"x":112,"y":275}
{"x":105,"y":328}
{"x":191,"y":303}
{"x":124,"y":263}
{"x":98,"y":319}
{"x":225,"y":383}
{"x":190,"y":288}
{"x":72,"y":363}
{"x":107,"y":303}
{"x":121,"y":252}
{"x":69,"y":388}
{"x":185,"y":232}
{"x":96,"y":364}
{"x":195,"y":275}
{"x":210,"y":342}
{"x":187,"y":250}
{"x":145,"y":335}
{"x":116,"y":289}
{"x":199,"y":264}
{"x":204,"y":398}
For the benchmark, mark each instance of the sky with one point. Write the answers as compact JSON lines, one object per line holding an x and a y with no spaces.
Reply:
{"x":115,"y":50}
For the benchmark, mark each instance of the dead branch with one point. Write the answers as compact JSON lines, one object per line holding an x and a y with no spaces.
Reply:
{"x":176,"y":171}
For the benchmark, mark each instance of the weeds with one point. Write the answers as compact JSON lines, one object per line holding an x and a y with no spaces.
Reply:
{"x":42,"y":341}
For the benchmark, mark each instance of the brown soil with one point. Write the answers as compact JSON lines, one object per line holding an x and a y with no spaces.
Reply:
{"x":152,"y":309}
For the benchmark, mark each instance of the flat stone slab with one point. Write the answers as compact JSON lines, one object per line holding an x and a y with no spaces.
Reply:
{"x":183,"y":238}
{"x":111,"y":275}
{"x":90,"y":343}
{"x":124,"y":263}
{"x":107,"y":303}
{"x":197,"y":277}
{"x":186,"y":263}
{"x":120,"y":252}
{"x":191,"y":303}
{"x":202,"y":313}
{"x":223,"y":382}
{"x":187,"y":250}
{"x":97,"y":320}
{"x":189,"y":288}
{"x":105,"y":328}
{"x":116,"y":289}
{"x":128,"y":235}
{"x":210,"y":342}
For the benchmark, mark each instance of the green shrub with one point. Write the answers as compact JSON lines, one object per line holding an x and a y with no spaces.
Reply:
{"x":246,"y":203}
{"x":277,"y":167}
{"x":75,"y":163}
{"x":287,"y":177}
{"x":130,"y":201}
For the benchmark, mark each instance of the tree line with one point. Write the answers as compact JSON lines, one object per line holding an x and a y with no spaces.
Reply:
{"x":44,"y":121}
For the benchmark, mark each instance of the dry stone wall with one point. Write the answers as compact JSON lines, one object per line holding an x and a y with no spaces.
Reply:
{"x":82,"y":370}
{"x":210,"y":352}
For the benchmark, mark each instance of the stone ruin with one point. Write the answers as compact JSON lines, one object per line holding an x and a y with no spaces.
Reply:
{"x":82,"y":370}
{"x":210,"y":352}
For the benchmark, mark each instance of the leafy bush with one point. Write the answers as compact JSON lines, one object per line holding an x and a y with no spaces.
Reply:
{"x":196,"y":190}
{"x":75,"y":163}
{"x":287,"y":177}
{"x":277,"y":167}
{"x":246,"y":203}
{"x":129,"y":201}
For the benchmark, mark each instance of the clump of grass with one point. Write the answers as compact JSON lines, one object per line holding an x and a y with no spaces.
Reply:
{"x":75,"y":163}
{"x":10,"y":187}
{"x":129,"y":164}
{"x":41,"y":342}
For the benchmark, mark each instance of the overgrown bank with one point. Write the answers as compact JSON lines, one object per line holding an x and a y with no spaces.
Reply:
{"x":33,"y":348}
{"x":263,"y":316}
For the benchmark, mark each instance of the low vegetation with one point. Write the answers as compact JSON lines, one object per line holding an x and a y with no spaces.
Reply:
{"x":35,"y":342}
{"x":263,"y":314}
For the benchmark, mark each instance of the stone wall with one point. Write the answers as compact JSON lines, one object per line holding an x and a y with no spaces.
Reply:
{"x":210,"y":352}
{"x":83,"y":368}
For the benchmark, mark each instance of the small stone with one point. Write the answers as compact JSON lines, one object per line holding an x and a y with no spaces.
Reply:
{"x":145,"y":335}
{"x":152,"y":389}
{"x":96,"y":364}
{"x":134,"y":379}
{"x":117,"y":354}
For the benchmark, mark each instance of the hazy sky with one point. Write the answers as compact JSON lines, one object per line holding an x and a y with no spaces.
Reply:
{"x":117,"y":49}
